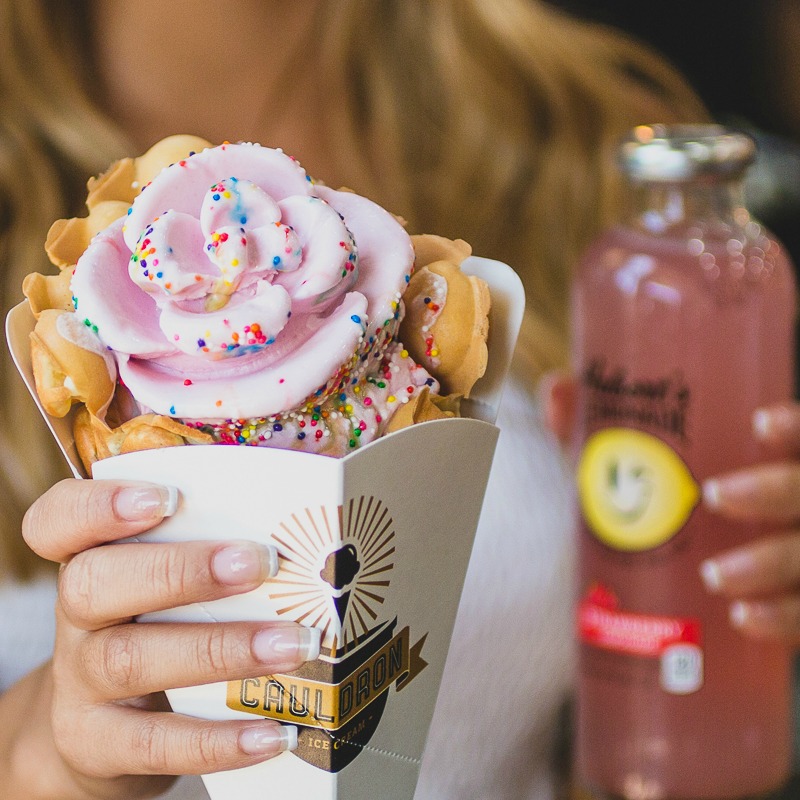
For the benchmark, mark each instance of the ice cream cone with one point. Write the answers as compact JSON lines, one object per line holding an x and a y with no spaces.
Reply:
{"x":373,"y":551}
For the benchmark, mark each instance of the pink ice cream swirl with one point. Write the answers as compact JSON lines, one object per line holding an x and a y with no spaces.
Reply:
{"x":237,"y":289}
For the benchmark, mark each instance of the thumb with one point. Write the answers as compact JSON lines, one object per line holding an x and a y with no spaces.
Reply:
{"x":558,"y":397}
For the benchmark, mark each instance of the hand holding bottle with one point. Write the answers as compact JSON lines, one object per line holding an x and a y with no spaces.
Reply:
{"x":762,"y":579}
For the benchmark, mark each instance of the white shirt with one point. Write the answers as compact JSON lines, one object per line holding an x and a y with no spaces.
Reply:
{"x":514,"y":630}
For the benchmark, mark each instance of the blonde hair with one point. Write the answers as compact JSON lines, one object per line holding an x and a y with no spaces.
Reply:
{"x":511,"y":145}
{"x":490,"y":120}
{"x":51,"y":139}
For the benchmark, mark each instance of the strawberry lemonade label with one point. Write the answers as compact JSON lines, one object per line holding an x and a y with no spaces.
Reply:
{"x":673,"y":642}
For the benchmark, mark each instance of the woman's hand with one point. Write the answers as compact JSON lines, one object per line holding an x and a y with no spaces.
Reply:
{"x":108,"y":735}
{"x":762,"y":580}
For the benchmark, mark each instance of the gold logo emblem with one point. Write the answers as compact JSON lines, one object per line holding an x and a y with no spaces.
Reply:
{"x":335,"y":569}
{"x":335,"y":573}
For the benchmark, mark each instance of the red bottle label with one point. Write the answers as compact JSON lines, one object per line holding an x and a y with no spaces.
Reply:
{"x":674,"y":641}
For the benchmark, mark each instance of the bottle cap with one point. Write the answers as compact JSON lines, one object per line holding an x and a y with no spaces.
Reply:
{"x":670,"y":153}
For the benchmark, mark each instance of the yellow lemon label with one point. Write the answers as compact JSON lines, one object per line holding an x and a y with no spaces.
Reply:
{"x":635,"y":491}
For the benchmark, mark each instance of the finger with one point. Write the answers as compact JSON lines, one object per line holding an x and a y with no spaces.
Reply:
{"x":154,"y":743}
{"x":774,"y":619}
{"x":77,"y":514}
{"x":106,"y":585}
{"x":135,"y":659}
{"x":779,"y":425}
{"x":558,"y":395}
{"x":765,"y":567}
{"x":767,"y":493}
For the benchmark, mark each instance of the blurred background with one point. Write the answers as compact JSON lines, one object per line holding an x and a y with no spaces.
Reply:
{"x":743,"y":59}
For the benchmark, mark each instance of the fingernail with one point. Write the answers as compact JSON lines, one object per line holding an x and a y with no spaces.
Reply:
{"x":711,"y":574}
{"x":244,"y":562}
{"x":735,"y":487}
{"x":739,"y":613}
{"x":286,"y":646}
{"x":146,"y":502}
{"x":268,"y":739}
{"x":734,"y":565}
{"x":711,"y":493}
{"x":762,"y":423}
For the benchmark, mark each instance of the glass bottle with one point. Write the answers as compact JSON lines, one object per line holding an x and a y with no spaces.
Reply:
{"x":683,"y":327}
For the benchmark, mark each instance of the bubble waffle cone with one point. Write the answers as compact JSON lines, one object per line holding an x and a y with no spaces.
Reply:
{"x":447,"y":315}
{"x":425,"y":407}
{"x":48,"y":291}
{"x":95,"y":441}
{"x":65,"y":372}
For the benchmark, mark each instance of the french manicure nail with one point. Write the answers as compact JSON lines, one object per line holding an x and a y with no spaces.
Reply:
{"x":244,"y":562}
{"x":734,"y":488}
{"x":711,"y":493}
{"x":289,"y":644}
{"x":711,"y":574}
{"x":739,"y":613}
{"x":144,"y":501}
{"x":268,"y":739}
{"x":733,"y":565}
{"x":762,"y":423}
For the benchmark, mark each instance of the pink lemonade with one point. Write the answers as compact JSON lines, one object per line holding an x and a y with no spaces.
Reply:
{"x":683,"y":327}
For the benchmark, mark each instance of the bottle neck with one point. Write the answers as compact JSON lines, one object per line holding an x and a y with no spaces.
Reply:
{"x":669,"y":207}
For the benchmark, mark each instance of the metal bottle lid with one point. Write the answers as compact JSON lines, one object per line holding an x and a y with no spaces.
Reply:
{"x":670,"y":153}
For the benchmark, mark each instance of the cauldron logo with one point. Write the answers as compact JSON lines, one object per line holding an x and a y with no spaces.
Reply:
{"x":335,"y":566}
